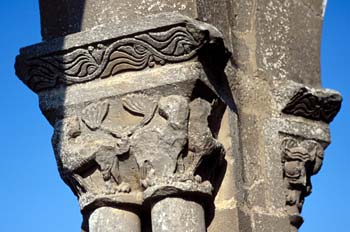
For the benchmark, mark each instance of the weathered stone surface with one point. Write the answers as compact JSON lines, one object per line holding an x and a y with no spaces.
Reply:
{"x":319,"y":105}
{"x":151,"y":107}
{"x":176,"y":214}
{"x":230,"y":219}
{"x":271,"y":223}
{"x":107,"y":219}
{"x":129,"y":139}
{"x":116,"y":148}
{"x":300,"y":159}
{"x":98,"y":60}
{"x":62,"y":17}
{"x":288,"y":46}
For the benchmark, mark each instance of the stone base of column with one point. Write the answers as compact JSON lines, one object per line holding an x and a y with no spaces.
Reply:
{"x":108,"y":219}
{"x":176,"y":214}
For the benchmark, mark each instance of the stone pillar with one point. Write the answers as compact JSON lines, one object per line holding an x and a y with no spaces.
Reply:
{"x":176,"y":214}
{"x":212,"y":110}
{"x":136,"y":107}
{"x":274,"y":76}
{"x":108,"y":219}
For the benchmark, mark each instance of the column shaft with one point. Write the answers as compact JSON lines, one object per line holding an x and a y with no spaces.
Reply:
{"x":176,"y":214}
{"x":107,"y":219}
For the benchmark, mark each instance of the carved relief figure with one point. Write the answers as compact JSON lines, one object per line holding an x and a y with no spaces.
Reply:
{"x":160,"y":143}
{"x":172,"y":146}
{"x":201,"y":140}
{"x":135,"y":142}
{"x":93,"y":140}
{"x":301,"y":160}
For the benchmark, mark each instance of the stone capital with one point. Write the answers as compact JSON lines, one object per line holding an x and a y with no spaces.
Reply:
{"x":135,"y":110}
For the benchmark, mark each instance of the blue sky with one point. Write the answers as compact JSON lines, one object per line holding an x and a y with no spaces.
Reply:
{"x":34,"y":199}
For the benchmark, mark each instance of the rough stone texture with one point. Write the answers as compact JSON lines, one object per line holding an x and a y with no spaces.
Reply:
{"x":288,"y":46}
{"x":118,"y":147}
{"x":63,"y":17}
{"x":176,"y":214}
{"x":151,"y":106}
{"x":315,"y":105}
{"x":230,"y":218}
{"x":126,"y":137}
{"x":271,"y":223}
{"x":275,"y":53}
{"x":42,"y":67}
{"x":107,"y":219}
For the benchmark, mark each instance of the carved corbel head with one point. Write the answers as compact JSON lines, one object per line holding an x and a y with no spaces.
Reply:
{"x":301,"y":160}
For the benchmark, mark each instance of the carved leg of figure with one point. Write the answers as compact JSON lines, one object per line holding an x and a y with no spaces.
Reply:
{"x":108,"y":219}
{"x":176,"y":214}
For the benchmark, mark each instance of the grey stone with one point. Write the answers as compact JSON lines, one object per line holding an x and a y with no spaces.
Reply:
{"x":62,"y":17}
{"x":107,"y":219}
{"x":176,"y":214}
{"x":154,"y":102}
{"x":288,"y":45}
{"x":271,"y":223}
{"x":300,"y":159}
{"x":230,"y":219}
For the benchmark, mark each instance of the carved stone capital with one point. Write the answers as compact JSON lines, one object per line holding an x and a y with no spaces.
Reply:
{"x":125,"y":137}
{"x":140,"y":146}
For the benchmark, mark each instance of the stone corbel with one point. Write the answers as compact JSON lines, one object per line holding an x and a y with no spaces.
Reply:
{"x":128,"y":141}
{"x":303,"y":143}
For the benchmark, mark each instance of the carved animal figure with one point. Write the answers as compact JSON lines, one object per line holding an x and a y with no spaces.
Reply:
{"x":160,"y":143}
{"x":77,"y":151}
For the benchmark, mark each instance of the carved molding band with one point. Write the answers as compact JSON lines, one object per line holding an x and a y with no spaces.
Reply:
{"x":320,"y":105}
{"x":104,"y":59}
{"x":301,"y":160}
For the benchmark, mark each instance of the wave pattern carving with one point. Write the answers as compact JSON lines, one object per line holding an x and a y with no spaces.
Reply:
{"x":177,"y":44}
{"x":316,"y":105}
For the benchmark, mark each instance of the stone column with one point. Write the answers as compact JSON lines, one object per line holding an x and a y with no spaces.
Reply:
{"x":274,"y":76}
{"x":136,"y":105}
{"x":176,"y":214}
{"x":108,"y":219}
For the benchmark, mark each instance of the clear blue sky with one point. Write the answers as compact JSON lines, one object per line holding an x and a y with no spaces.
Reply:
{"x":34,"y":199}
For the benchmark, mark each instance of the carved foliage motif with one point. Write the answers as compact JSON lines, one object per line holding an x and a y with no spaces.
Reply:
{"x":177,"y":44}
{"x":94,"y":114}
{"x":301,"y":160}
{"x":163,"y":146}
{"x":321,"y":106}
